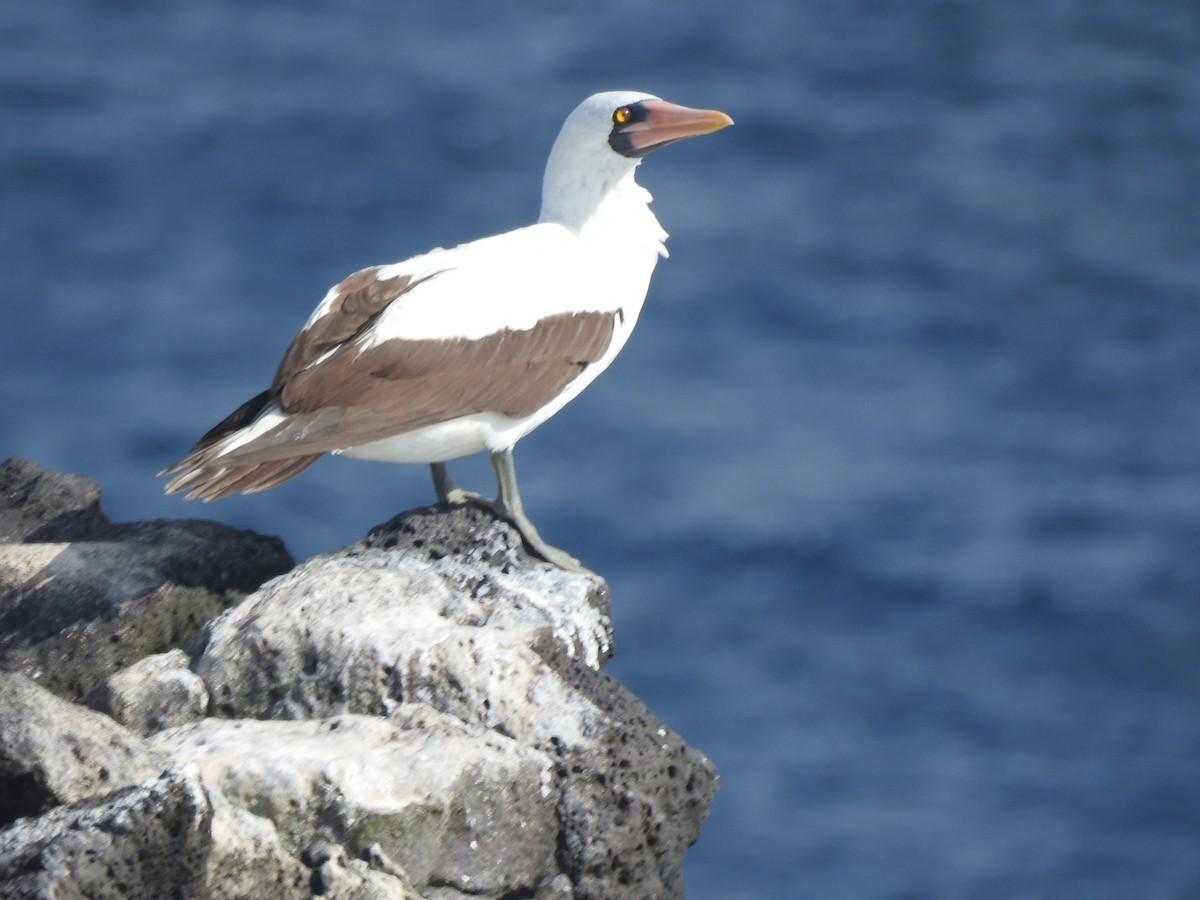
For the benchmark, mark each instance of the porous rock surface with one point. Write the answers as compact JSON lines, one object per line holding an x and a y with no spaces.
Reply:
{"x":157,"y":692}
{"x":421,"y":714}
{"x":81,"y":597}
{"x":62,"y":752}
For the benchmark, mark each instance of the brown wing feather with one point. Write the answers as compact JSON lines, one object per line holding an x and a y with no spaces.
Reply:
{"x":361,"y":297}
{"x":353,"y":397}
{"x":207,"y":480}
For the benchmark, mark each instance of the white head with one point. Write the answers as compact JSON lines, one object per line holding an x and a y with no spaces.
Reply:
{"x":603,"y":141}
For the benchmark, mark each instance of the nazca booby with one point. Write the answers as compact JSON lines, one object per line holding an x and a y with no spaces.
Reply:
{"x":466,"y":350}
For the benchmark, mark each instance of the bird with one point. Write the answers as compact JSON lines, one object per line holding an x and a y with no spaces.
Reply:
{"x":466,"y":350}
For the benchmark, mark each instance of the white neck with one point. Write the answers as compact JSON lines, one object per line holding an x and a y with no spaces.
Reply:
{"x":574,"y":187}
{"x":608,"y":206}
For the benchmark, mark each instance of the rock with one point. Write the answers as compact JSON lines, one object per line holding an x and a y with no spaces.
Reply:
{"x":54,"y":752}
{"x":166,"y":838}
{"x":244,"y":857}
{"x":372,"y":877}
{"x":421,"y":714}
{"x":81,"y":597}
{"x":633,"y":795}
{"x":154,"y":693}
{"x":41,"y":505}
{"x":441,"y":607}
{"x":123,"y":825}
{"x":460,"y":807}
{"x":365,"y":628}
{"x":493,"y":580}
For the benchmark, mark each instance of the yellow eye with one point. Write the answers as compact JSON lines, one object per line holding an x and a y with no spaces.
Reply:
{"x":622,"y":115}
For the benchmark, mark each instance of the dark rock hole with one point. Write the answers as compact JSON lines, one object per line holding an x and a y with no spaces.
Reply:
{"x":23,"y":795}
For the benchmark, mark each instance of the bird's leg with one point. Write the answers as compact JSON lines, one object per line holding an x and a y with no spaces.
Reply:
{"x":508,"y":504}
{"x":448,"y":492}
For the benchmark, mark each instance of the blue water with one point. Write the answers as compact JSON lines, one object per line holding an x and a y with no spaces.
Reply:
{"x":897,"y":487}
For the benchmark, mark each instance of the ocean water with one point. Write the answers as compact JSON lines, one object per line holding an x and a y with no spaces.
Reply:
{"x":897,"y":486}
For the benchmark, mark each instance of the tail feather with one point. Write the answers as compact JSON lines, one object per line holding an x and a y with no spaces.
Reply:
{"x":206,"y":475}
{"x":211,"y":480}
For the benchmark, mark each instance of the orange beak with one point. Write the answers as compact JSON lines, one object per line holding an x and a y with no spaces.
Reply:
{"x":668,"y":122}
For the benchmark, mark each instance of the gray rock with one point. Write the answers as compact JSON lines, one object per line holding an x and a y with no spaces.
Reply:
{"x":165,"y":838}
{"x":495,"y":581}
{"x":454,"y":806}
{"x":169,"y":835}
{"x":81,"y":597}
{"x":442,"y":608}
{"x":364,"y":628}
{"x":154,"y":693}
{"x":39,"y":505}
{"x":54,"y":752}
{"x":243,"y":857}
{"x":633,"y":796}
{"x":424,"y":709}
{"x":372,"y":877}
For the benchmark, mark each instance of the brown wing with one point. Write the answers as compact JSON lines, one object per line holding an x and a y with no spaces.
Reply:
{"x":352,"y":396}
{"x":359,"y":300}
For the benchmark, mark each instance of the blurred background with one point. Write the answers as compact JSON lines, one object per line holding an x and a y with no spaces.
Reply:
{"x":896,"y":487}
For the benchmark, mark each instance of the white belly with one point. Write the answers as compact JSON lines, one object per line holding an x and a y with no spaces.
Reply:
{"x":438,"y":443}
